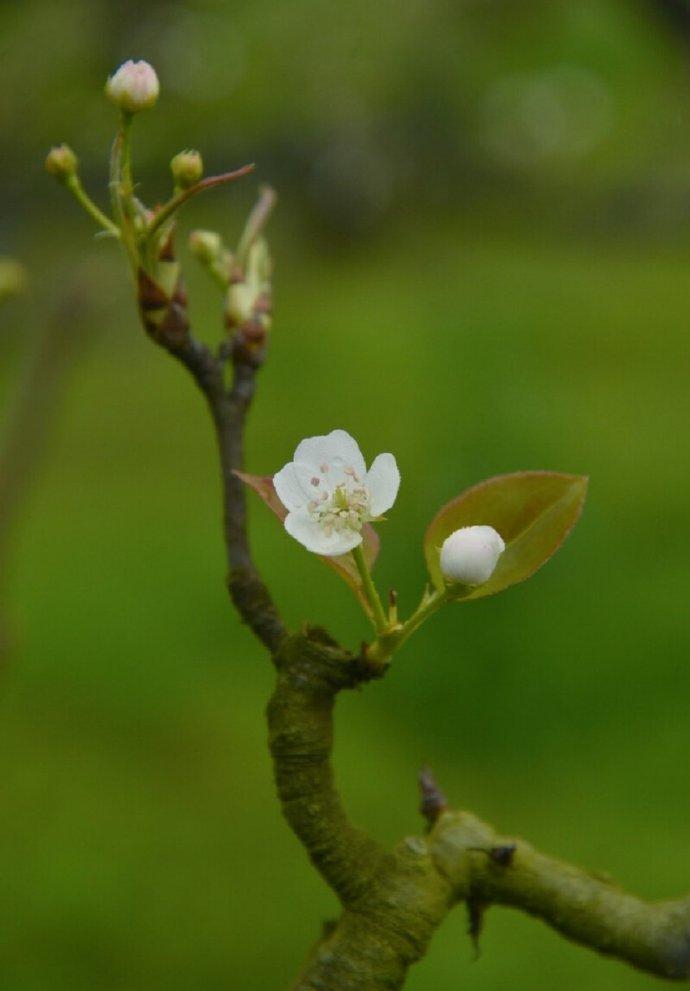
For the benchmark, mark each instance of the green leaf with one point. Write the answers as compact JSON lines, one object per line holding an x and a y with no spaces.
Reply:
{"x":344,"y":565}
{"x":534,"y":511}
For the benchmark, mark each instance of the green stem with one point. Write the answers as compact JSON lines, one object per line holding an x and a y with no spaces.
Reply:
{"x":176,"y":202}
{"x":427,"y":608}
{"x":75,"y":187}
{"x":131,"y":208}
{"x":126,"y":180}
{"x":118,"y":155}
{"x":370,"y":590}
{"x":115,"y":177}
{"x":255,"y":223}
{"x":385,"y":646}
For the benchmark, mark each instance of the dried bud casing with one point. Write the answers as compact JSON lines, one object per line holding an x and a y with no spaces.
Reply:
{"x":133,"y":87}
{"x":187,"y":168}
{"x":61,"y":162}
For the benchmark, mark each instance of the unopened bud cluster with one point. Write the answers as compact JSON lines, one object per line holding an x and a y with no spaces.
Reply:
{"x":147,"y":235}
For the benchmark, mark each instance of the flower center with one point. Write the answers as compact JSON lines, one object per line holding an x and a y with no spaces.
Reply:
{"x":344,"y":507}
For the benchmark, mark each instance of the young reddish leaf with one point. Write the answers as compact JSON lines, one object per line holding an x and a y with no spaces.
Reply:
{"x":263,"y":484}
{"x":534,"y":511}
{"x":342,"y":565}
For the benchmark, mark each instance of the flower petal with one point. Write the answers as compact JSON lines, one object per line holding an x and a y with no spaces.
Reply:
{"x":312,"y":535}
{"x":336,"y":449}
{"x":293,"y":486}
{"x":383,"y":482}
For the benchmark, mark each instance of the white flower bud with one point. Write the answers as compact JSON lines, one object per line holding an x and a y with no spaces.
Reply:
{"x":133,"y":87}
{"x":470,"y":555}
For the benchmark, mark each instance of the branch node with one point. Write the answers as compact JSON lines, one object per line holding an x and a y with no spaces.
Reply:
{"x":248,"y":345}
{"x":502,"y":855}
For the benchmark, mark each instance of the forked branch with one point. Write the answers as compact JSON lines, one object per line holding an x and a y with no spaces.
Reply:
{"x":392,"y":901}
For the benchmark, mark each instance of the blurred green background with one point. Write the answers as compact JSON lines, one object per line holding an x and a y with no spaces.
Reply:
{"x":482,"y":264}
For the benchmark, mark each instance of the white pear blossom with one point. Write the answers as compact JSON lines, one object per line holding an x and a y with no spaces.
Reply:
{"x":330,"y":495}
{"x":470,"y":554}
{"x":133,"y":87}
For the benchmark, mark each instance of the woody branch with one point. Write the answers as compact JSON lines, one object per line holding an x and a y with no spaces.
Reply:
{"x":392,"y":901}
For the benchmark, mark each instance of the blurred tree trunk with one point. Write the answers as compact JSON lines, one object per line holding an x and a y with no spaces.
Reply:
{"x":676,"y":13}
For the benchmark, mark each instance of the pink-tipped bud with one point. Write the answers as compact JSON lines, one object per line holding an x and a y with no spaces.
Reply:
{"x":187,"y":168}
{"x":61,"y":162}
{"x":133,"y":87}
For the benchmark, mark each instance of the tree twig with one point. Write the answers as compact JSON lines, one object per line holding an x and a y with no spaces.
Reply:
{"x":584,"y":907}
{"x":312,"y":668}
{"x":229,"y":407}
{"x":392,"y":901}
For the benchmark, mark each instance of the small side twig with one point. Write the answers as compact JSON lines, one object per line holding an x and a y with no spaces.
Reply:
{"x":256,"y":221}
{"x":229,"y":407}
{"x":434,"y":802}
